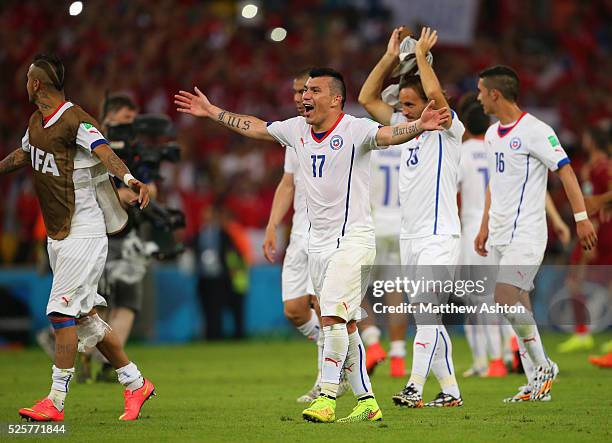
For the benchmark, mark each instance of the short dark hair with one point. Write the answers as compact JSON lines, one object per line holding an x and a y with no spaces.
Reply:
{"x":115,"y":102}
{"x":303,"y":73}
{"x":475,"y":119}
{"x":504,"y":79}
{"x":53,"y":67}
{"x":337,"y":83}
{"x":414,"y":82}
{"x":599,"y":137}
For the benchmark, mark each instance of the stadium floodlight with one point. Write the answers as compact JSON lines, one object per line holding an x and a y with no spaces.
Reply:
{"x":278,"y":34}
{"x":249,"y":11}
{"x":75,"y":8}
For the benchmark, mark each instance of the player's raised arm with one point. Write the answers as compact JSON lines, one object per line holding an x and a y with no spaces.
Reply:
{"x":429,"y":80}
{"x":584,"y":227}
{"x":431,"y":119}
{"x":369,"y":96}
{"x":116,"y":167}
{"x":15,"y":160}
{"x":283,"y":197}
{"x":198,"y":105}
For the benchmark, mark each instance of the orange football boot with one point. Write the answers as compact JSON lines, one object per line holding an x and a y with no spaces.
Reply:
{"x":398,"y":368}
{"x":497,"y":368}
{"x":375,"y":354}
{"x":44,"y":410}
{"x":135,"y":399}
{"x":603,"y":361}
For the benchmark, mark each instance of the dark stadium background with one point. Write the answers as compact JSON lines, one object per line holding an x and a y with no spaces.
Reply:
{"x":151,"y":49}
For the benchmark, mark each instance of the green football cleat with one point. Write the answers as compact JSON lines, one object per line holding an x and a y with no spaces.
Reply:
{"x":576,"y":343}
{"x":321,"y":410}
{"x":366,"y":410}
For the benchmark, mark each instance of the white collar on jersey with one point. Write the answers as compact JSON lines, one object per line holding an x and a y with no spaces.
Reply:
{"x":58,"y":113}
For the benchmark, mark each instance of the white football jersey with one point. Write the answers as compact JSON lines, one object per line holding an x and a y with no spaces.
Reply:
{"x":520,"y":156}
{"x":335,"y":166}
{"x":384,"y":195}
{"x":473,"y":182}
{"x":299,"y":225}
{"x":428,"y":181}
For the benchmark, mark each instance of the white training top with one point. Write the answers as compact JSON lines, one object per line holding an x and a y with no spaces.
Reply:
{"x":473,"y":182}
{"x":300,"y":224}
{"x":520,"y":156}
{"x":428,"y":181}
{"x":336,"y":171}
{"x":384,"y":195}
{"x":88,"y":219}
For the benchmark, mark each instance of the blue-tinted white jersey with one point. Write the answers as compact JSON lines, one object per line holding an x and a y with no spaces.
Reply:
{"x":336,"y":171}
{"x":384,"y":194}
{"x":520,"y":156}
{"x":428,"y":181}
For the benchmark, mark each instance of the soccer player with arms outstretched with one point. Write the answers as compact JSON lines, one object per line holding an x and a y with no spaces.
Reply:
{"x":430,"y":228}
{"x":333,"y":150}
{"x":70,"y":162}
{"x":521,"y":149}
{"x":297,"y":290}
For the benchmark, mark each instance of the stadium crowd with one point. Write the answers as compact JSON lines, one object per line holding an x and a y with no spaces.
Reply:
{"x":149,"y":50}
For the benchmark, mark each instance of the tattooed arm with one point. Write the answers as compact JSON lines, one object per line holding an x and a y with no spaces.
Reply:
{"x":199,"y":106}
{"x":431,"y":119}
{"x":15,"y":160}
{"x":116,"y":167}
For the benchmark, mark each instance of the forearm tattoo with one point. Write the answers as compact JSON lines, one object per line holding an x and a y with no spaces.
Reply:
{"x":116,"y":166}
{"x":14,"y":161}
{"x":235,"y":121}
{"x":411,"y":129}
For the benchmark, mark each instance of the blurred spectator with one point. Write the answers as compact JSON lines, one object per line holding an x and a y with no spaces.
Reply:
{"x":222,"y":261}
{"x":560,"y":50}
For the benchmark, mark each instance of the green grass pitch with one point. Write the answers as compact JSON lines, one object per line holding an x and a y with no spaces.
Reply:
{"x":246,"y":392}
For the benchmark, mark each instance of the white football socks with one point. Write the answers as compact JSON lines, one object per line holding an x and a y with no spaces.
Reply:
{"x":355,"y":366}
{"x":397,"y":348}
{"x":527,"y":331}
{"x":475,"y":335}
{"x":59,"y":386}
{"x":130,"y":377}
{"x":423,"y":350}
{"x":494,"y":341}
{"x":442,"y":364}
{"x":335,"y":349}
{"x":370,"y":335}
{"x":311,"y":328}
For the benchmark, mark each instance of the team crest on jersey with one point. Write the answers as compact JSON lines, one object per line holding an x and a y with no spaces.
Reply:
{"x":336,"y":142}
{"x":515,"y":143}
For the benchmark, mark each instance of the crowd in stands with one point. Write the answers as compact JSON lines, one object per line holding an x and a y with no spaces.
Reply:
{"x":150,"y":50}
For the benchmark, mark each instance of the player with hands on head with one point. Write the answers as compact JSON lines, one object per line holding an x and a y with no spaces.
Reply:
{"x":428,"y":180}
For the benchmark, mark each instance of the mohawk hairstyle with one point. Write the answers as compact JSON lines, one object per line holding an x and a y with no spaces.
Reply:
{"x":53,"y":67}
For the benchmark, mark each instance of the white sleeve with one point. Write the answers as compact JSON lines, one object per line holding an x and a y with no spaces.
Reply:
{"x":284,"y":131}
{"x":291,"y":160}
{"x":25,"y":141}
{"x":545,"y":146}
{"x":456,"y":129}
{"x":88,"y":137}
{"x":397,"y":118}
{"x":364,"y":132}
